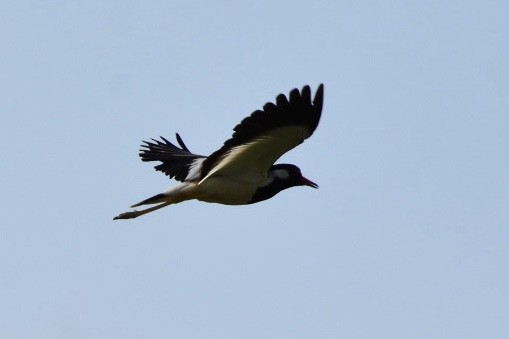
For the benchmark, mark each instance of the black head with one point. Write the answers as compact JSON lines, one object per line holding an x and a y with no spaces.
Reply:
{"x":283,"y":176}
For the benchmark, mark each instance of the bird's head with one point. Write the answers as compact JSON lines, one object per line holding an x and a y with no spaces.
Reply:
{"x":290,"y":175}
{"x":282,"y":176}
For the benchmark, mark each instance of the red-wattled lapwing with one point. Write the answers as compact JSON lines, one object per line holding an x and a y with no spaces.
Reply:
{"x":242,"y":171}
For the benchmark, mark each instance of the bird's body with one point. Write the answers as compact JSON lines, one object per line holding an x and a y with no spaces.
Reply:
{"x":242,"y":171}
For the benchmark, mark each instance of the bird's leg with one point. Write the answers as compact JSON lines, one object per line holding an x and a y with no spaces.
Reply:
{"x":134,"y":214}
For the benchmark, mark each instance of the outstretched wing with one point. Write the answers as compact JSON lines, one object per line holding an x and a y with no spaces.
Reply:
{"x":176,"y":162}
{"x":260,"y":139}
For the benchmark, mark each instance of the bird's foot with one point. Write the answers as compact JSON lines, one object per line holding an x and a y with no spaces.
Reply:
{"x":127,"y":215}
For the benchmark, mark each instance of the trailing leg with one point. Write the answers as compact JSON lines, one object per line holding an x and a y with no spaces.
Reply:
{"x":135,"y":214}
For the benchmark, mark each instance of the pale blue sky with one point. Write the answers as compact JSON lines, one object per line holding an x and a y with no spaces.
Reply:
{"x":407,"y":237}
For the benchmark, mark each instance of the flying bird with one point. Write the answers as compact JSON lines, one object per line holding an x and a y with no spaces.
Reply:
{"x":242,"y":171}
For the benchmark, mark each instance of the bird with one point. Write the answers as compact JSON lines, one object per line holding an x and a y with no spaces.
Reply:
{"x":243,"y":170}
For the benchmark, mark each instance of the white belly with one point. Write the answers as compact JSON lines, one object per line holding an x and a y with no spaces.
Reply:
{"x":220,"y":190}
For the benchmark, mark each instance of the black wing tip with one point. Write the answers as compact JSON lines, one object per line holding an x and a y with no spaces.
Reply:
{"x":318,"y":93}
{"x":163,"y":142}
{"x":318,"y":99}
{"x":305,"y":95}
{"x":297,"y":96}
{"x":181,"y":143}
{"x":175,"y":162}
{"x":155,"y":149}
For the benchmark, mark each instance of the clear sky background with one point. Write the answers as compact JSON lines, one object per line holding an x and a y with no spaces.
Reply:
{"x":407,"y":237}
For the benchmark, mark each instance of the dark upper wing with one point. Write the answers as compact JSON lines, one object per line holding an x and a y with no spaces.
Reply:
{"x":260,"y":139}
{"x":175,"y":162}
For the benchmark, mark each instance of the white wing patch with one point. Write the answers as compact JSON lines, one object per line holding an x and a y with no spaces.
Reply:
{"x":195,"y":170}
{"x":251,"y":162}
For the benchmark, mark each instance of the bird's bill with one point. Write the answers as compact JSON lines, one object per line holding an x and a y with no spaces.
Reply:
{"x":307,"y":182}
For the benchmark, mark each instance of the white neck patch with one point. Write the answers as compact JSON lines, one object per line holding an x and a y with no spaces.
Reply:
{"x":281,"y":174}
